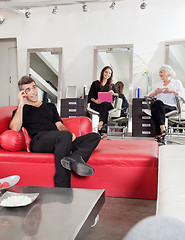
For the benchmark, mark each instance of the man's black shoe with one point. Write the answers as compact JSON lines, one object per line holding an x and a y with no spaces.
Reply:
{"x":77,"y":165}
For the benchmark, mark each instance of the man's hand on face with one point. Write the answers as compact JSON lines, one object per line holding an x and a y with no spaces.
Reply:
{"x":22,"y":98}
{"x":73,"y":137}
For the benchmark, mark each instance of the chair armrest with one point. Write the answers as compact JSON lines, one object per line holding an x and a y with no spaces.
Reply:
{"x":179,"y":101}
{"x":115,"y":102}
{"x":90,"y":110}
{"x":149,"y":100}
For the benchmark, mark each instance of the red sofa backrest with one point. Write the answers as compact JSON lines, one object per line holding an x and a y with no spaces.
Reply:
{"x":5,"y":117}
{"x":86,"y":125}
{"x":78,"y":125}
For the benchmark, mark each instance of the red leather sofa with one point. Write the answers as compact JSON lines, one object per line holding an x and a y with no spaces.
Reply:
{"x":124,"y":168}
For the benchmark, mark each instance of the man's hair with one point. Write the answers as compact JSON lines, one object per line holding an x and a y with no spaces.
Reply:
{"x":25,"y":80}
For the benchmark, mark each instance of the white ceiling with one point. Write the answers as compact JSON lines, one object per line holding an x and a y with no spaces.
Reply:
{"x":23,"y":4}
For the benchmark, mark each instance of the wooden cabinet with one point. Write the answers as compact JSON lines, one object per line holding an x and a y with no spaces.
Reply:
{"x":73,"y":107}
{"x":142,"y":124}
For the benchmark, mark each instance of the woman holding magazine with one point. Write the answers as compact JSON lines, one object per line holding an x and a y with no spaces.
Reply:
{"x":103,"y":85}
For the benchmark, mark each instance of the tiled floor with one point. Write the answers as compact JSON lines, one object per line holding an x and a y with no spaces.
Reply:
{"x":117,"y":217}
{"x":170,"y":139}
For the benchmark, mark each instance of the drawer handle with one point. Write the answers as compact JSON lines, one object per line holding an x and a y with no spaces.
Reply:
{"x":146,"y":117}
{"x":72,"y":103}
{"x":72,"y":110}
{"x":146,"y":125}
{"x":145,"y":132}
{"x":144,"y":102}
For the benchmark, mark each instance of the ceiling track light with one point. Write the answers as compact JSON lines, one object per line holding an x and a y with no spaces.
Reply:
{"x":113,"y":5}
{"x":143,"y":4}
{"x":55,"y":10}
{"x":85,"y":7}
{"x":27,"y":14}
{"x":1,"y":20}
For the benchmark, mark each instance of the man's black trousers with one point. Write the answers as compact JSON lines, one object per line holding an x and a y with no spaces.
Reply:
{"x":60,"y":143}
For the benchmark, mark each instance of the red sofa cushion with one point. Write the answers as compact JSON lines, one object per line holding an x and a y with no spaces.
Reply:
{"x":27,"y":139}
{"x":78,"y":125}
{"x":12,"y":140}
{"x":73,"y":126}
{"x":123,"y":168}
{"x":127,"y":153}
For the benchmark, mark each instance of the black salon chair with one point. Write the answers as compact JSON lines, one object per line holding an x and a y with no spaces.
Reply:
{"x":94,"y":115}
{"x":168,"y":116}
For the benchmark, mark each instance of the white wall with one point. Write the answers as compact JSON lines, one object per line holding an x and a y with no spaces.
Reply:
{"x":78,"y":32}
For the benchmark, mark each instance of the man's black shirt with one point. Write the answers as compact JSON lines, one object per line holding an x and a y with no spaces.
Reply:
{"x":38,"y":119}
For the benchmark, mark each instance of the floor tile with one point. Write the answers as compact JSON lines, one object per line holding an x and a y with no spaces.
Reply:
{"x":118,"y":216}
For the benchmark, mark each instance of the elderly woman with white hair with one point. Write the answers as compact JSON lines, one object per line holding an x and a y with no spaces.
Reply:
{"x":165,"y":93}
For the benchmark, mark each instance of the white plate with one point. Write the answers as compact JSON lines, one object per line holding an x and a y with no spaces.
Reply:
{"x":12,"y":180}
{"x":7,"y":194}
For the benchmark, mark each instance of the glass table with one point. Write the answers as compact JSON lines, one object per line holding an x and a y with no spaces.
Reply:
{"x":57,"y":214}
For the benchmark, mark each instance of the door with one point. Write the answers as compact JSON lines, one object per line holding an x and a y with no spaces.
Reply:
{"x":12,"y":72}
{"x":8,"y":70}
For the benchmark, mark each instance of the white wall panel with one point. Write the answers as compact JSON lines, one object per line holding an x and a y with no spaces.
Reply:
{"x":77,"y":32}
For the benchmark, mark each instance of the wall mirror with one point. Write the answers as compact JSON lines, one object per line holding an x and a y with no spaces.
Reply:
{"x":120,"y":58}
{"x":44,"y":66}
{"x":175,"y":57}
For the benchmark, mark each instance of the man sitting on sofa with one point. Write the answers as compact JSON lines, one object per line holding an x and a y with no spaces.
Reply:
{"x":49,"y":135}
